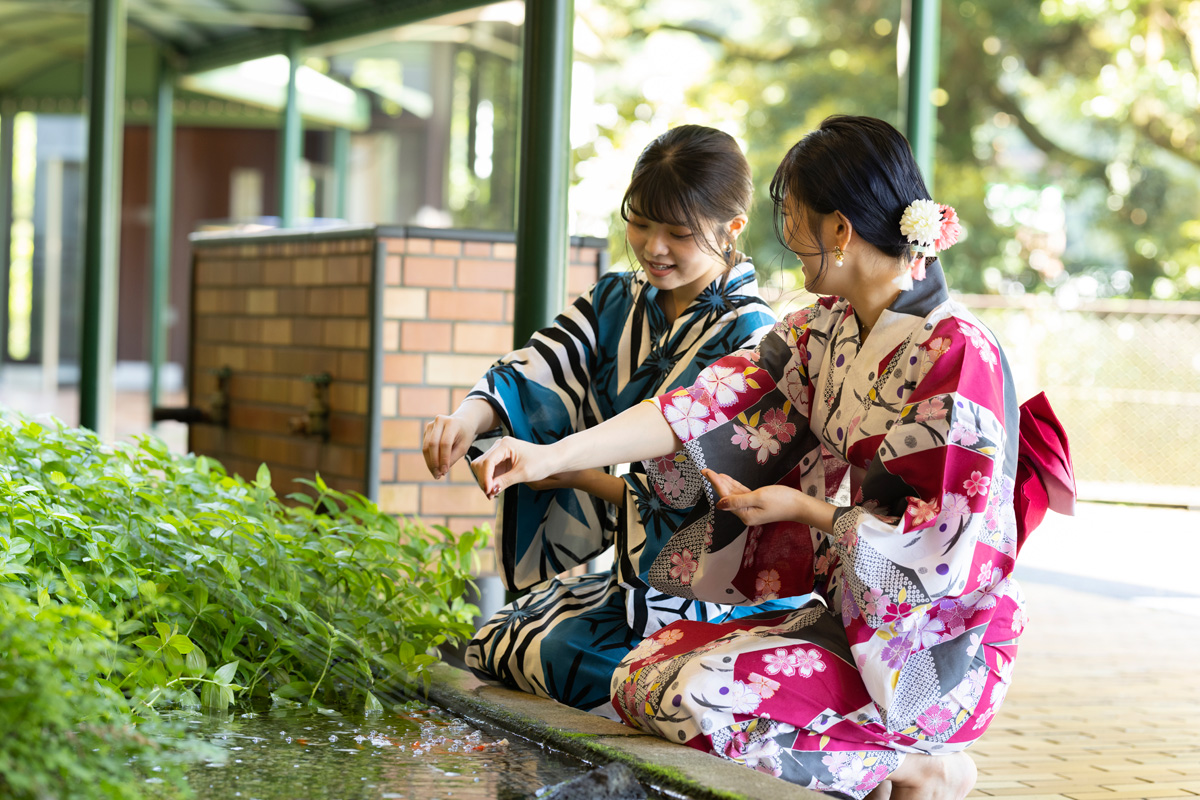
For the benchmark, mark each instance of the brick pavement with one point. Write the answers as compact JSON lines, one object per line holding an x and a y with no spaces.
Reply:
{"x":1105,"y":704}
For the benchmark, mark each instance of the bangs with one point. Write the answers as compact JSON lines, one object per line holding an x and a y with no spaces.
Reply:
{"x":655,"y":196}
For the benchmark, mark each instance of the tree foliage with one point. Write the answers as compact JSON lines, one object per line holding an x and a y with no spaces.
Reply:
{"x":1067,"y":135}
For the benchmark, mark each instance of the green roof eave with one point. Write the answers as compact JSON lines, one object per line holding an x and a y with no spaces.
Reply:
{"x":357,"y":20}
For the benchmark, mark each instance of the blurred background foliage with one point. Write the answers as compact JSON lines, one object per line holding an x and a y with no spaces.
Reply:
{"x":1067,"y":130}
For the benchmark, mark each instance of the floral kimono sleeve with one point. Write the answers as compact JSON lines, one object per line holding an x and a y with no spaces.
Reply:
{"x":746,"y":416}
{"x":926,"y":552}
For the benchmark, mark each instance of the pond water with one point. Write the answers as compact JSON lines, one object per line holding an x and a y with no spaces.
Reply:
{"x":411,"y":753}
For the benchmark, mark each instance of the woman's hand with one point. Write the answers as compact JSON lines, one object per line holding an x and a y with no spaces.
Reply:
{"x":511,"y":461}
{"x":561,"y":480}
{"x":773,"y":503}
{"x":447,"y":438}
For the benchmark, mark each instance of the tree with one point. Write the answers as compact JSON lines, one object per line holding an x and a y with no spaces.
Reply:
{"x":1067,"y":135}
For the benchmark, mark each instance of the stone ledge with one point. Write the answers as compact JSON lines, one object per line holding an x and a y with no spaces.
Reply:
{"x":668,"y":768}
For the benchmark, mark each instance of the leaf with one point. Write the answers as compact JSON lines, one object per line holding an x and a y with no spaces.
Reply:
{"x":754,"y":420}
{"x":164,"y":630}
{"x":753,"y":384}
{"x":226,"y":672}
{"x":372,"y":704}
{"x":182,"y":644}
{"x":263,"y":479}
{"x":195,"y":663}
{"x":148,"y":643}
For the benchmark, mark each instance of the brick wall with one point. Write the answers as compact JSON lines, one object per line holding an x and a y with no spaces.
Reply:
{"x":448,"y":314}
{"x":275,"y":312}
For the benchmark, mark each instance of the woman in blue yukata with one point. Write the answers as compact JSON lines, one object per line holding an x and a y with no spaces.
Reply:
{"x":632,"y":336}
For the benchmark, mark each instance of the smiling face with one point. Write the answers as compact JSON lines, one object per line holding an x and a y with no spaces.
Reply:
{"x":671,"y":255}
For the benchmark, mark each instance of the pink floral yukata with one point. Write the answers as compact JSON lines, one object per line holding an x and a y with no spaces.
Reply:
{"x":913,"y":434}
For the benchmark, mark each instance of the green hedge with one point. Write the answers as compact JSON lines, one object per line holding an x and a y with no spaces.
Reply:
{"x":205,"y":590}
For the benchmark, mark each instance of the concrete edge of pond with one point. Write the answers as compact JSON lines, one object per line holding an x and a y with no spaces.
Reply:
{"x":667,"y":767}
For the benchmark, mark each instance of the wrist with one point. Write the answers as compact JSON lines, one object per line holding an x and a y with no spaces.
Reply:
{"x":474,"y":414}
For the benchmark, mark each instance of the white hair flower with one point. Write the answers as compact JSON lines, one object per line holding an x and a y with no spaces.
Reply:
{"x":921,"y":223}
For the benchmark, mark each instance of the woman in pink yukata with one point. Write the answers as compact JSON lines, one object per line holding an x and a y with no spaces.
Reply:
{"x":865,"y":451}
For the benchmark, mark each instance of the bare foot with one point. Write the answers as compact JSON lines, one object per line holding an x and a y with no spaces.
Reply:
{"x":881,"y":792}
{"x":923,"y":777}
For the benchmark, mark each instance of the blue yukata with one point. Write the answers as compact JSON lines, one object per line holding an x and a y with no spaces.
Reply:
{"x":612,"y":348}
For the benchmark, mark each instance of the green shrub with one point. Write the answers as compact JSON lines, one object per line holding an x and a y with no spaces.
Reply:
{"x":218,"y":590}
{"x":65,"y":736}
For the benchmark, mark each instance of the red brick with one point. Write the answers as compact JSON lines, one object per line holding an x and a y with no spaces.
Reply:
{"x":352,"y":366}
{"x":348,"y":397}
{"x":347,"y":428}
{"x":443,"y":499}
{"x":309,"y":334}
{"x":398,"y":499}
{"x":425,"y":336}
{"x":341,"y":333}
{"x":457,"y":396}
{"x":428,"y":271}
{"x":410,"y":466}
{"x":262,"y":359}
{"x":391,"y":270}
{"x":418,"y":246}
{"x":248,"y":273}
{"x":342,"y":270}
{"x":389,"y":401}
{"x":277,"y":272}
{"x":424,"y":402}
{"x":405,"y":303}
{"x":472,"y":306}
{"x":506,"y":251}
{"x":354,"y":301}
{"x":471,"y":337}
{"x":400,"y":434}
{"x":387,"y":467}
{"x":277,"y":331}
{"x":349,"y":462}
{"x":391,"y":335}
{"x":403,"y":368}
{"x":455,"y":370}
{"x":477,"y":249}
{"x":322,"y":302}
{"x":262,"y":301}
{"x":447,"y":247}
{"x":308,"y":271}
{"x":579,"y":279}
{"x":394,"y":245}
{"x":510,"y":307}
{"x":474,"y":274}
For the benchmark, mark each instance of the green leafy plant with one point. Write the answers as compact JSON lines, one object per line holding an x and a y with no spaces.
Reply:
{"x":216,"y":590}
{"x":66,"y":736}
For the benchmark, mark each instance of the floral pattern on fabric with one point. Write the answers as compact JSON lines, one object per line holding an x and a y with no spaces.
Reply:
{"x":911,"y":433}
{"x":611,"y":349}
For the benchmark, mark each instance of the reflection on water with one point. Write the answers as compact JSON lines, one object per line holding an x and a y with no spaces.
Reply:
{"x":410,"y":753}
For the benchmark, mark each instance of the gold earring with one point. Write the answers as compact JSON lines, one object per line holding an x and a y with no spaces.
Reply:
{"x":839,"y":257}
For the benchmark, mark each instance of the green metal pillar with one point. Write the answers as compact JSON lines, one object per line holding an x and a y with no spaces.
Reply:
{"x":921,"y":113}
{"x":542,"y":235}
{"x":341,"y":171}
{"x":289,"y":153}
{"x":6,"y":172}
{"x":101,"y":237}
{"x":160,"y":277}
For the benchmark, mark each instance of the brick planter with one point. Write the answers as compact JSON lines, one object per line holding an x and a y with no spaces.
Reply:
{"x":403,"y":321}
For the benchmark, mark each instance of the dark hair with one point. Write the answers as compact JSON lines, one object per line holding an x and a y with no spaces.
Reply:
{"x":694,"y":177}
{"x":860,"y":166}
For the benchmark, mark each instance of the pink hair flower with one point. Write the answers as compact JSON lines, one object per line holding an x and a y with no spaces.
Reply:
{"x":950,"y":230}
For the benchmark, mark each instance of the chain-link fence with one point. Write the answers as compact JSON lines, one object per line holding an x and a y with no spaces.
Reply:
{"x":1124,"y":378}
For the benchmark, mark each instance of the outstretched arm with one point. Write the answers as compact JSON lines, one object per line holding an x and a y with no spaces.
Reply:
{"x":635,"y":434}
